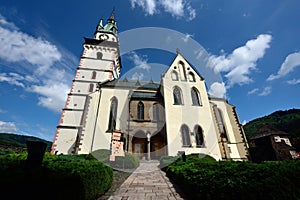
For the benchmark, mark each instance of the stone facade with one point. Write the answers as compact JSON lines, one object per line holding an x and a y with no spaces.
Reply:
{"x":157,"y":119}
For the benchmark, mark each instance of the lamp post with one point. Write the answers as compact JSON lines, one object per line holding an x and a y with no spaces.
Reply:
{"x":148,"y":139}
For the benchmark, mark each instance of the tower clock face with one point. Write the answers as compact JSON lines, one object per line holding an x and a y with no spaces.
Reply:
{"x":103,"y":37}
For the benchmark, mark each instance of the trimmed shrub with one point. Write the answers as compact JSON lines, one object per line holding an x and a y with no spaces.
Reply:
{"x":130,"y":161}
{"x":236,"y":180}
{"x":60,"y":177}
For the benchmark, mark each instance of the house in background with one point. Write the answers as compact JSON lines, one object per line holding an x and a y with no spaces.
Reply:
{"x":270,"y":144}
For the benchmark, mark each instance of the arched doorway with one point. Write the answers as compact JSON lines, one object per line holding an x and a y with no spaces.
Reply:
{"x":139,"y":145}
{"x":158,"y":146}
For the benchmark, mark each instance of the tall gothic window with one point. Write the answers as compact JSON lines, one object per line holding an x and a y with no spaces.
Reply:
{"x":94,"y":75}
{"x":113,"y":114}
{"x":140,"y":111}
{"x":177,"y":96}
{"x":185,"y":134}
{"x":220,"y":122}
{"x":199,"y":136}
{"x":195,"y":97}
{"x":155,"y":112}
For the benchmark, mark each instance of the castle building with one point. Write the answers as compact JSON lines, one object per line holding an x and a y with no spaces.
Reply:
{"x":155,"y":118}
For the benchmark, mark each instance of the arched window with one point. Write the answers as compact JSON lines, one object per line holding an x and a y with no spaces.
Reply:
{"x":195,"y":97}
{"x":99,"y":55}
{"x":155,"y":112}
{"x":199,"y":136}
{"x":140,"y":111}
{"x":185,"y":134}
{"x":220,"y":121}
{"x":182,"y":71}
{"x":93,"y":75}
{"x":91,"y":88}
{"x":177,"y":96}
{"x":174,"y":75}
{"x":113,"y":114}
{"x":192,"y":77}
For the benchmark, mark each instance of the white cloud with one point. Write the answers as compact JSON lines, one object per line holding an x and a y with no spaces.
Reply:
{"x":266,"y":91}
{"x":140,"y":62}
{"x":294,"y":81}
{"x":44,"y":70}
{"x":7,"y":127}
{"x":241,"y":61}
{"x":291,"y":62}
{"x":137,"y":76}
{"x":149,"y":6}
{"x":191,"y":12}
{"x":53,"y":94}
{"x":244,"y":122}
{"x":16,"y":46}
{"x":177,"y":8}
{"x":255,"y":90}
{"x":217,"y":90}
{"x":12,"y":79}
{"x":7,"y":25}
{"x":174,"y":7}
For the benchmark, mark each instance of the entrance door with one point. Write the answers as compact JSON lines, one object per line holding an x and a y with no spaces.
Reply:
{"x":137,"y":149}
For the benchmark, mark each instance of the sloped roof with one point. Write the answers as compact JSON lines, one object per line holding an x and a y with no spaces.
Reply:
{"x":190,"y":64}
{"x":131,"y":84}
{"x":266,"y":130}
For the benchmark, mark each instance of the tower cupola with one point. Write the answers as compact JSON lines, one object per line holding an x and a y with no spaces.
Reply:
{"x":110,"y":27}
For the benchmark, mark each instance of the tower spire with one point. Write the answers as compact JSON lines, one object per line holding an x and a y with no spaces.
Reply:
{"x":109,"y":27}
{"x":112,"y":16}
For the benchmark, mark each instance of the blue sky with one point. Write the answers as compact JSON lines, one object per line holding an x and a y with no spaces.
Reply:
{"x":251,"y":46}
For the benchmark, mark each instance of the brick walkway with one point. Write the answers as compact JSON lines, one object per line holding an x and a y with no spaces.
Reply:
{"x":147,"y":182}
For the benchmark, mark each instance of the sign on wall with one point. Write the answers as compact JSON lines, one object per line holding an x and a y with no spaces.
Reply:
{"x":116,"y":146}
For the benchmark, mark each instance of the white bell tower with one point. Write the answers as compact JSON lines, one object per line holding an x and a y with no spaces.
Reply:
{"x":99,"y":62}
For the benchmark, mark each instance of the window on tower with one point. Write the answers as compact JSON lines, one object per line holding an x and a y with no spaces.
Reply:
{"x":91,"y":88}
{"x":94,"y":75}
{"x":99,"y":55}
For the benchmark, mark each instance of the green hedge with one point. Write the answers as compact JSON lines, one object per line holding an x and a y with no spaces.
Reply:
{"x":236,"y":180}
{"x":60,"y":177}
{"x":129,"y":162}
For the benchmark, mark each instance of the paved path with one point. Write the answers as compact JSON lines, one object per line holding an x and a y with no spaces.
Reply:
{"x":147,"y":182}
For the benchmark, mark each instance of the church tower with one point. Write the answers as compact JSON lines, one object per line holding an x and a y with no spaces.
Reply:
{"x":99,"y":62}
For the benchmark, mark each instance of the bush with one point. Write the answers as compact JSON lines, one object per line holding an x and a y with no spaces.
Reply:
{"x":130,"y":161}
{"x":236,"y":180}
{"x":60,"y":177}
{"x":91,"y":178}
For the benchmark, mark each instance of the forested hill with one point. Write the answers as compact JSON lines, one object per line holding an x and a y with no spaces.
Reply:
{"x":287,"y":121}
{"x":14,"y":142}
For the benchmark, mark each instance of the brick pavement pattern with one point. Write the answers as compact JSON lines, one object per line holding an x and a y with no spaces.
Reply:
{"x":147,"y":182}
